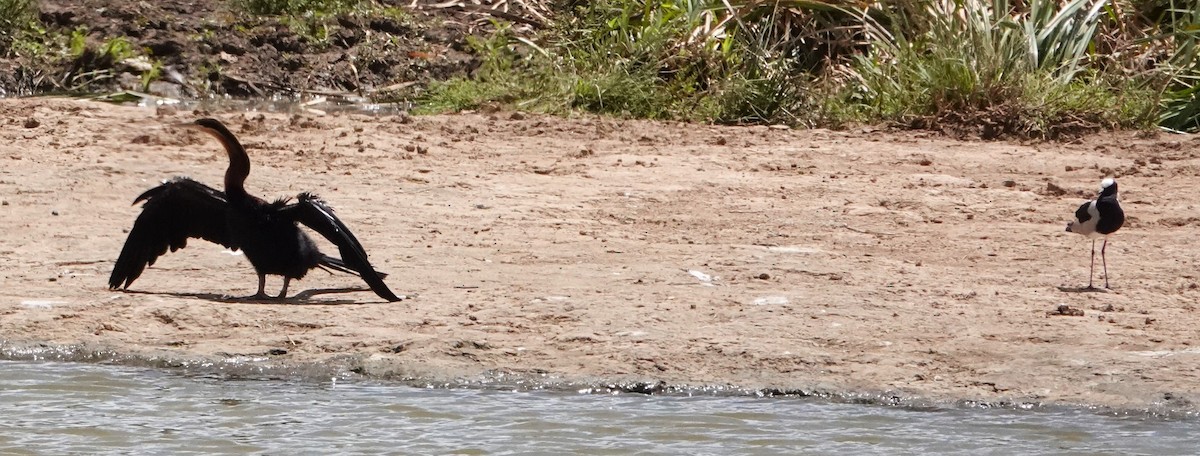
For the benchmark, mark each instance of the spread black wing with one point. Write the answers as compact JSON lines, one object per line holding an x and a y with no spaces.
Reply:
{"x":1082,"y":214}
{"x":314,"y":213}
{"x":175,"y":211}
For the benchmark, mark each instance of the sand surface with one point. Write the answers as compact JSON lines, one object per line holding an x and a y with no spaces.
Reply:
{"x":593,"y":248}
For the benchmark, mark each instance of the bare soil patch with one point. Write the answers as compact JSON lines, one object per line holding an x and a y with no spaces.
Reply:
{"x":210,"y":48}
{"x":593,"y":248}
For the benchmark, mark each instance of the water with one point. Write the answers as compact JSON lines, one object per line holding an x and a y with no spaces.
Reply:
{"x":65,"y":408}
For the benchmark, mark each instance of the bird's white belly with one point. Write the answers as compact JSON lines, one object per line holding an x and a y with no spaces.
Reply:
{"x":1088,"y":228}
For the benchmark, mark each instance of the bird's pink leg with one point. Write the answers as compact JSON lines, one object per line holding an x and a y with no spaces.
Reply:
{"x":1092,"y":269}
{"x":1104,"y":261}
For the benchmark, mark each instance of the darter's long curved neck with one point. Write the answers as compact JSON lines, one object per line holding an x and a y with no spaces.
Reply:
{"x":239,"y":162}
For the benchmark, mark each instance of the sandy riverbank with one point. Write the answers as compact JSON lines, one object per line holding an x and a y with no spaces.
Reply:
{"x":844,"y":261}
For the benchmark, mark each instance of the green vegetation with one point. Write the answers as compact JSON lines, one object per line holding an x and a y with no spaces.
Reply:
{"x":1037,"y":68}
{"x":1032,"y":68}
{"x":82,"y":60}
{"x":151,"y":75}
{"x":1181,"y":95}
{"x":116,"y":49}
{"x":309,"y":19}
{"x":314,"y":20}
{"x":394,"y":13}
{"x":16,"y":19}
{"x":297,"y":8}
{"x":608,"y":57}
{"x":1013,"y":74}
{"x":315,"y":29}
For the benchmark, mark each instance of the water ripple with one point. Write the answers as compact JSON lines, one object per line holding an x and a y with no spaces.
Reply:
{"x":58,"y":408}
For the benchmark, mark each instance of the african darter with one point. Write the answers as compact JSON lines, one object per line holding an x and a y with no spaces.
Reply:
{"x":267,"y":233}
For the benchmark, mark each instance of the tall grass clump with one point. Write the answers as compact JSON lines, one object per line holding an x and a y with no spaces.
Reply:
{"x":504,"y":77}
{"x":1036,"y":68}
{"x":1007,"y":69}
{"x":643,"y":59}
{"x":1181,"y":96}
{"x":16,"y":18}
{"x":623,"y":58}
{"x":700,"y":60}
{"x":778,"y":53}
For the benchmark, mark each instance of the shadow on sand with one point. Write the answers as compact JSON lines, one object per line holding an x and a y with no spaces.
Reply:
{"x":303,"y":298}
{"x":1083,"y":289}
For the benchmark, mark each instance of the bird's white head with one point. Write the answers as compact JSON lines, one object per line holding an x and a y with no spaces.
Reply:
{"x":1108,"y":188}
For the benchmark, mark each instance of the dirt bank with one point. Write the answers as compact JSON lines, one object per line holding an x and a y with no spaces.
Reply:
{"x":187,"y":49}
{"x":597,"y":248}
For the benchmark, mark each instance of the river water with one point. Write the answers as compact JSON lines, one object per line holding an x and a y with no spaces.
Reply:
{"x":78,"y":408}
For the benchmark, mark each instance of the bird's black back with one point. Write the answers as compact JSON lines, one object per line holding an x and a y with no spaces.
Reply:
{"x":271,"y":240}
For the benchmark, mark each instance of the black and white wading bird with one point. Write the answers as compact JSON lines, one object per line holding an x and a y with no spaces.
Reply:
{"x":267,"y":233}
{"x":1097,"y":219}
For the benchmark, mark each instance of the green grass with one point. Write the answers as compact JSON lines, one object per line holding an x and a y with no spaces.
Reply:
{"x":17,"y":17}
{"x":1180,"y":106}
{"x":976,"y":62}
{"x":70,"y":61}
{"x":1033,"y":68}
{"x":616,"y":58}
{"x":116,"y":49}
{"x":498,"y":80}
{"x":394,"y":13}
{"x":296,"y":8}
{"x":311,"y":20}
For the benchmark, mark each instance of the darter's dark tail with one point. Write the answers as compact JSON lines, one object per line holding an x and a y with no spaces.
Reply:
{"x":337,"y":264}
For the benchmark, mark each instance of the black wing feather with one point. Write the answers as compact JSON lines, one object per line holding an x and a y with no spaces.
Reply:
{"x":1081,"y":214}
{"x":178,"y":209}
{"x":315,"y":214}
